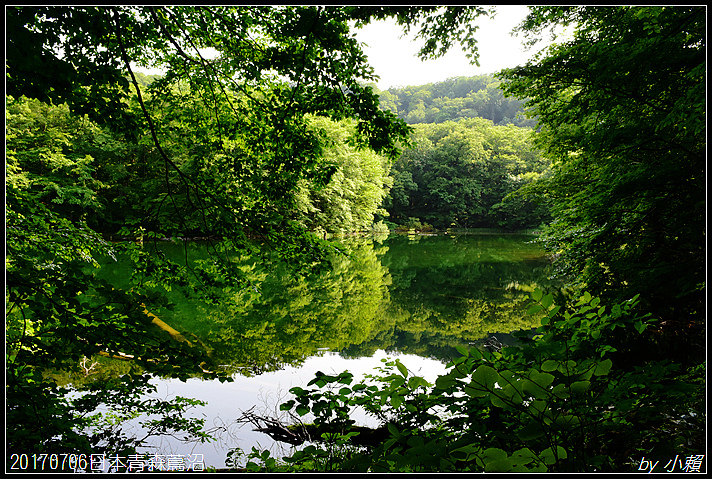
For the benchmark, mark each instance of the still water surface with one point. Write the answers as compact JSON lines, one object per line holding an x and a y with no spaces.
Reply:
{"x":409,"y":297}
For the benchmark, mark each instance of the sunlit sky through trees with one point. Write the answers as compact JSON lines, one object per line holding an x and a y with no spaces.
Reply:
{"x":394,"y":55}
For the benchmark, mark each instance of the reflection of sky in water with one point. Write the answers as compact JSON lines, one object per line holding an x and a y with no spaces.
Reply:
{"x":227,"y":401}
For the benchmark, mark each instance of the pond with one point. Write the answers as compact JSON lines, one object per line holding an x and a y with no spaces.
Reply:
{"x":412,"y":297}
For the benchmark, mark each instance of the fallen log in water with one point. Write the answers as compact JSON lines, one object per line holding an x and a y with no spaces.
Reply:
{"x":299,"y":433}
{"x":164,"y":326}
{"x":172,"y":332}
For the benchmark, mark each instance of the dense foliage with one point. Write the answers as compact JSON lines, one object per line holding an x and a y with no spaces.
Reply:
{"x":620,"y":110}
{"x":353,"y":196}
{"x":621,"y":107}
{"x":454,"y":99}
{"x":59,"y":314}
{"x":465,"y":175}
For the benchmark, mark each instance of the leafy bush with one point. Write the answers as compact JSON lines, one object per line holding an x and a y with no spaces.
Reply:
{"x":558,"y":403}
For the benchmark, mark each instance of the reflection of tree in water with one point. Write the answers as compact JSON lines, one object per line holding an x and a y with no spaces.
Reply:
{"x":294,"y":317}
{"x":419,"y":297}
{"x":450,"y":292}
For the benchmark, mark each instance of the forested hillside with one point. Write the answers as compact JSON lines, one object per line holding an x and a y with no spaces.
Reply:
{"x":454,"y":99}
{"x":472,"y":149}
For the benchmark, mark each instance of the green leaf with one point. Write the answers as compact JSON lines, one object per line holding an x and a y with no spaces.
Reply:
{"x":493,"y":453}
{"x":416,"y":381}
{"x":567,"y":367}
{"x":534,"y":309}
{"x":497,"y":400}
{"x":586,"y":375}
{"x":585,"y":299}
{"x":476,"y":391}
{"x":465,"y":453}
{"x":537,"y":294}
{"x":567,"y":421}
{"x":538,"y":407}
{"x":498,"y":465}
{"x":345,"y":377}
{"x":550,"y":457}
{"x":541,"y":379}
{"x":536,"y":385}
{"x":561,"y":391}
{"x":603,"y":368}
{"x":402,"y":369}
{"x":485,"y":377}
{"x":462,"y":350}
{"x":580,"y":387}
{"x":496,"y":460}
{"x":549,"y":365}
{"x":523,"y":456}
{"x":511,"y":392}
{"x":445,"y":382}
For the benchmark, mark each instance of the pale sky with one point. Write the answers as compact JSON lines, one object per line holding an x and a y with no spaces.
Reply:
{"x":395,"y":59}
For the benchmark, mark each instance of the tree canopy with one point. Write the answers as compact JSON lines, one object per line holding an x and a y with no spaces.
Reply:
{"x":621,"y":107}
{"x":465,"y":175}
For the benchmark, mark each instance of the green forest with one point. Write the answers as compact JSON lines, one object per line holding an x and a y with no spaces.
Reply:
{"x":456,"y":98}
{"x":466,"y":174}
{"x":266,"y":137}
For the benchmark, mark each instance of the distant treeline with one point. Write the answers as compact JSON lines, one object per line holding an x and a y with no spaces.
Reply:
{"x":466,"y":174}
{"x":454,"y":99}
